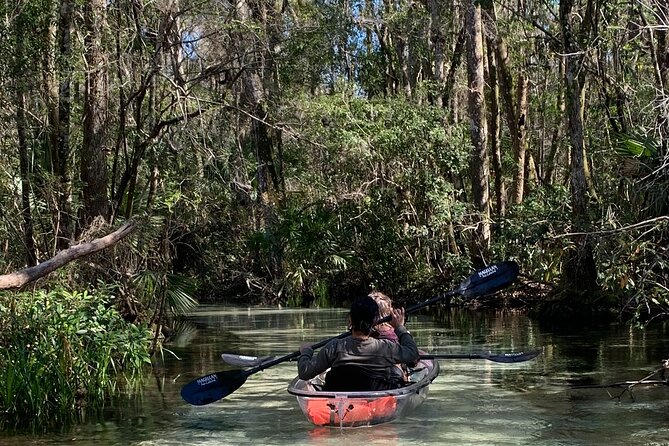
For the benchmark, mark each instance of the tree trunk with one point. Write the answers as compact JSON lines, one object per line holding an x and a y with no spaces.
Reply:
{"x":266,"y":174}
{"x":520,"y":140}
{"x":495,"y":131}
{"x":62,"y":168}
{"x":515,"y":112}
{"x":479,"y":169}
{"x":580,"y":271}
{"x":93,"y":151}
{"x":54,"y":46}
{"x":51,"y":92}
{"x":556,"y":139}
{"x":449,"y":97}
{"x":438,"y":45}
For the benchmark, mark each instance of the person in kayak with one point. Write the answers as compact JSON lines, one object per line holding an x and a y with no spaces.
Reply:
{"x":386,"y":331}
{"x":360,"y":362}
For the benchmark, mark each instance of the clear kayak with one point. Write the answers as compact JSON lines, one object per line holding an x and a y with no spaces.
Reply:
{"x":355,"y":409}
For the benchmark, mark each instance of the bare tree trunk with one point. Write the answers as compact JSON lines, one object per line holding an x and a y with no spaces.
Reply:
{"x":93,"y":151}
{"x":386,"y":44}
{"x":479,"y":168}
{"x":266,"y":174}
{"x":495,"y":133}
{"x":520,"y":139}
{"x":403,"y":55}
{"x":531,"y":175}
{"x":580,"y":269}
{"x":515,"y":112}
{"x":51,"y":92}
{"x":514,"y":118}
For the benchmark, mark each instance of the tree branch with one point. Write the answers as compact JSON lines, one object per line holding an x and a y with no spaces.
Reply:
{"x":27,"y":275}
{"x":652,"y":221}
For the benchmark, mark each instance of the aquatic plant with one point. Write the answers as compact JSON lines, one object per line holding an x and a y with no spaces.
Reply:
{"x":62,"y":352}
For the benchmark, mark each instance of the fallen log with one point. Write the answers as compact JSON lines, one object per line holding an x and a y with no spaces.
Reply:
{"x":20,"y":278}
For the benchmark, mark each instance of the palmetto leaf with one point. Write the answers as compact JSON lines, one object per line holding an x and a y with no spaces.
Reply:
{"x":178,"y":290}
{"x":637,"y":145}
{"x":180,"y":294}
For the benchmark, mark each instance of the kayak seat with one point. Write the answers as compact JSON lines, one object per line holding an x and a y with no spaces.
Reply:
{"x":353,"y":378}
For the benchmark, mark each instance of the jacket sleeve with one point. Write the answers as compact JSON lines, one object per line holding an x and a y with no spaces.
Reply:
{"x":309,"y":366}
{"x":407,"y":351}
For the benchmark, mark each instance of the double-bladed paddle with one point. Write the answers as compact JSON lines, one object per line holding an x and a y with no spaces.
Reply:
{"x":507,"y":358}
{"x":217,"y":385}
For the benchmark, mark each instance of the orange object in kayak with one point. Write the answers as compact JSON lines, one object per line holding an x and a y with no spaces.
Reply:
{"x":333,"y":412}
{"x":367,"y":408}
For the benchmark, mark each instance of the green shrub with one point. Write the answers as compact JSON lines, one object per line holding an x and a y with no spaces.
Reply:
{"x":62,"y":351}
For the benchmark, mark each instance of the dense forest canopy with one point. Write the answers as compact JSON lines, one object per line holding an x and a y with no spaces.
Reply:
{"x":298,"y":151}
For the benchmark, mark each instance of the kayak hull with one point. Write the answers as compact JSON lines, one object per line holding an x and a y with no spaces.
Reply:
{"x":357,"y":409}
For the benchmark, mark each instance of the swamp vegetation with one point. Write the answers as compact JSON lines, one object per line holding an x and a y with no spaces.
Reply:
{"x":299,"y":152}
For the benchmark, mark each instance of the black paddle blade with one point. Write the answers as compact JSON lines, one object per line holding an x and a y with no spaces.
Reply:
{"x":491,"y":279}
{"x":494,"y":357}
{"x":514,"y":357}
{"x":210,"y":388}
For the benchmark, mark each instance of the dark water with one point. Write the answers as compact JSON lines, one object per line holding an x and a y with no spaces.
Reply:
{"x":472,"y":402}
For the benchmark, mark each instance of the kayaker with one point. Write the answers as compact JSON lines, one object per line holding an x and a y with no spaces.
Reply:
{"x":384,"y":330}
{"x":360,"y":362}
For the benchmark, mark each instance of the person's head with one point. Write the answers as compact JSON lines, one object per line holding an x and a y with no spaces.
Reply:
{"x":363,"y":314}
{"x":384,"y":303}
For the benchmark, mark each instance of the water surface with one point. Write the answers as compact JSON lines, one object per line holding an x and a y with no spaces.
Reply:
{"x":472,"y":402}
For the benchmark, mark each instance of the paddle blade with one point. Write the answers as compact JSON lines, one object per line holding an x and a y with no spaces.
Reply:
{"x":491,"y":279}
{"x":514,"y":357}
{"x":210,"y":388}
{"x":494,"y":357}
{"x":245,"y":361}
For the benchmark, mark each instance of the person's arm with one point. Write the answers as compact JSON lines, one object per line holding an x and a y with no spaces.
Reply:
{"x":309,"y":366}
{"x":407,"y":351}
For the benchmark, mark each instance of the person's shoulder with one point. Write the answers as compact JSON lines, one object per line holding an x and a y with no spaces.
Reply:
{"x":387,"y":341}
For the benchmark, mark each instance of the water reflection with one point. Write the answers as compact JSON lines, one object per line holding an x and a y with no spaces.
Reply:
{"x":472,"y":402}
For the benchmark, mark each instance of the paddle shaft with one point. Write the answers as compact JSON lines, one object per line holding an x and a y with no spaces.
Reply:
{"x":254,"y":361}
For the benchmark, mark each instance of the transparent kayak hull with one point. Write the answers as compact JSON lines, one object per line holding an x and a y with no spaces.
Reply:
{"x":356,"y":409}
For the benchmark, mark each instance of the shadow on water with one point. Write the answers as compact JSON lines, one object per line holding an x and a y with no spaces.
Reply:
{"x":472,"y":402}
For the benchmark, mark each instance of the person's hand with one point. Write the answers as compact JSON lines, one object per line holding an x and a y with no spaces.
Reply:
{"x":305,"y":349}
{"x":397,"y":317}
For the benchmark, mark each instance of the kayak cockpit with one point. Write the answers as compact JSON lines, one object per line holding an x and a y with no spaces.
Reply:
{"x":366,"y":408}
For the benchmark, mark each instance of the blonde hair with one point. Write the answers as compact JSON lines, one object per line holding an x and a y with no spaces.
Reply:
{"x":384,"y":302}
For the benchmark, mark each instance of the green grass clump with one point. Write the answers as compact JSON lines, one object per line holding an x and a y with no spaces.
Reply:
{"x":61,"y":352}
